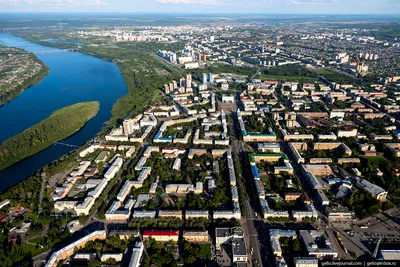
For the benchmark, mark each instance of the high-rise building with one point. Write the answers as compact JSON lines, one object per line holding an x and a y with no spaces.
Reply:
{"x":182,"y":82}
{"x":212,"y":39}
{"x":202,"y":57}
{"x":371,"y":57}
{"x":166,"y":88}
{"x":204,"y":78}
{"x":211,"y":77}
{"x":189,"y":81}
{"x":175,"y":85}
{"x":362,"y":68}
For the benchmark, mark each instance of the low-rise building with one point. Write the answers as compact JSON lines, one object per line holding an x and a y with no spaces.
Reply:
{"x":137,"y":253}
{"x":196,"y":236}
{"x":222,"y":236}
{"x":239,"y":251}
{"x":162,"y":235}
{"x":111,"y":256}
{"x":376,"y":191}
{"x":228,"y":98}
{"x":69,"y":250}
{"x":102,"y":157}
{"x":317,"y":169}
{"x":177,"y":214}
{"x":192,"y":214}
{"x":306,"y":262}
{"x":322,"y":249}
{"x":275,"y":235}
{"x":269,"y":147}
{"x":339,"y":214}
{"x":347,"y":133}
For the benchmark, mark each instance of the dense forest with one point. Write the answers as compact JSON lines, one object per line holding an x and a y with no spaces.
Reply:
{"x":61,"y":124}
{"x":290,"y":70}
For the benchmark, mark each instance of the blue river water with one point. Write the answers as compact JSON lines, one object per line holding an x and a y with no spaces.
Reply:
{"x":74,"y":77}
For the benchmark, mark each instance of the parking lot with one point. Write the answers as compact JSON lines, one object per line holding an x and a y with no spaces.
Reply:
{"x":361,"y":237}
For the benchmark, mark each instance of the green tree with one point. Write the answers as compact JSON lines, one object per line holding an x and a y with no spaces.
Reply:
{"x":82,"y":219}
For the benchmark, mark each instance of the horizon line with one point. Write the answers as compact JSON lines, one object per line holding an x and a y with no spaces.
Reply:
{"x":201,"y":13}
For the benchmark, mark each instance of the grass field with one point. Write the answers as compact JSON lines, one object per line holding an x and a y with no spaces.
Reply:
{"x":324,"y":72}
{"x":287,"y":78}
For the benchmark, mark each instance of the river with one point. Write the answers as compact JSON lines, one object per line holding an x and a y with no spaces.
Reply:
{"x":74,"y":77}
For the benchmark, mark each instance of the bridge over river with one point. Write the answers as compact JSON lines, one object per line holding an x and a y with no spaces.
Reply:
{"x":43,"y":52}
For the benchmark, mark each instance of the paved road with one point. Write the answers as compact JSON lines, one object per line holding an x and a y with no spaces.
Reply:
{"x":43,"y":175}
{"x":253,"y":240}
{"x":255,"y":74}
{"x":342,"y":254}
{"x":249,"y":219}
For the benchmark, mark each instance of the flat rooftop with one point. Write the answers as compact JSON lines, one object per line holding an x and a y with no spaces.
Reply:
{"x":239,"y":247}
{"x":390,"y":254}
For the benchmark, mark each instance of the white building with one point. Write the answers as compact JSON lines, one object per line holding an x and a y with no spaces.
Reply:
{"x":377,"y":192}
{"x":137,"y":253}
{"x":306,"y":262}
{"x":228,"y":98}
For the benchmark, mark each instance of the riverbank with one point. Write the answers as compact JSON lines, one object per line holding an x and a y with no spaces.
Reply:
{"x":141,"y":72}
{"x":135,"y":61}
{"x":74,"y":77}
{"x":143,"y":75}
{"x":61,"y":124}
{"x":8,"y":95}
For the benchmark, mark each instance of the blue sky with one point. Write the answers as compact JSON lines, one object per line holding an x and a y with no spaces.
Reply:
{"x":207,"y":6}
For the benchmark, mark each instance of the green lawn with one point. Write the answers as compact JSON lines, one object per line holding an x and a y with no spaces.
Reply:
{"x":324,"y":72}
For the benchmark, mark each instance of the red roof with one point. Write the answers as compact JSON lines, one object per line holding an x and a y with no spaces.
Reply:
{"x":161,"y":232}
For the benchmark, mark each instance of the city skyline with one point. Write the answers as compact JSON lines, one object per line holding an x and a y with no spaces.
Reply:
{"x":199,"y":133}
{"x":206,"y":6}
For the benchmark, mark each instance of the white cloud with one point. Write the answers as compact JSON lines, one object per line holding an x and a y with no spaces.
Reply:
{"x":54,"y":2}
{"x":188,"y":2}
{"x":314,"y":1}
{"x":302,"y":2}
{"x":221,"y":2}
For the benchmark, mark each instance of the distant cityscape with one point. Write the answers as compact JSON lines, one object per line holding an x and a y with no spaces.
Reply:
{"x":237,"y":144}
